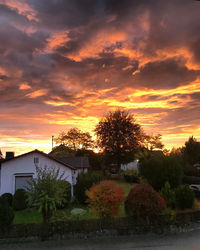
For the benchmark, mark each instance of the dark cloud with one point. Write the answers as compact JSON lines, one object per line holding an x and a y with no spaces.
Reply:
{"x":168,"y":74}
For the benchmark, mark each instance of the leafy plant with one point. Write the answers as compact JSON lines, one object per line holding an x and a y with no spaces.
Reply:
{"x":184,"y":197}
{"x":143,"y":201}
{"x":20,"y":199}
{"x":169,"y":195}
{"x":105,"y":198}
{"x":6,"y":214}
{"x":67,"y":189}
{"x":46,"y":192}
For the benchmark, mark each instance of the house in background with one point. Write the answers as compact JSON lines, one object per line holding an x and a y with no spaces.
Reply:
{"x":131,"y":165}
{"x":16,"y":171}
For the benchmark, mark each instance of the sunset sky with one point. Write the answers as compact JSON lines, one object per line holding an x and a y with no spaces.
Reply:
{"x":66,"y":63}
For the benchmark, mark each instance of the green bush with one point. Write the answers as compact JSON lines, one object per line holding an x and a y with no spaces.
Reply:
{"x":184,"y":197}
{"x":47,"y":192}
{"x":169,"y":195}
{"x":191,"y":180}
{"x":158,"y":169}
{"x":67,"y":187}
{"x":143,"y":201}
{"x":8,"y":197}
{"x":85,"y":182}
{"x":6,"y":214}
{"x":131,"y":175}
{"x":20,"y":200}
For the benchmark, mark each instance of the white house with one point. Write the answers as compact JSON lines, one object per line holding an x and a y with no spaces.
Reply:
{"x":16,"y":171}
{"x":131,"y":165}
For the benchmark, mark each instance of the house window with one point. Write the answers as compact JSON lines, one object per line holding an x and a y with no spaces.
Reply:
{"x":21,"y":182}
{"x":36,"y":160}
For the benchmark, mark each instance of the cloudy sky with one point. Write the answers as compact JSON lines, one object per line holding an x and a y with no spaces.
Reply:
{"x":66,"y":63}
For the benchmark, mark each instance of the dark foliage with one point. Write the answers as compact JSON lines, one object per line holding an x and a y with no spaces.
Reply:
{"x":119,"y":136}
{"x":158,"y":169}
{"x":8,"y":197}
{"x":184,"y":197}
{"x":75,"y":139}
{"x":191,"y":151}
{"x":6,"y":214}
{"x":85,"y":182}
{"x":191,"y":180}
{"x":143,"y":201}
{"x":67,"y":187}
{"x":169,"y":195}
{"x":20,"y":200}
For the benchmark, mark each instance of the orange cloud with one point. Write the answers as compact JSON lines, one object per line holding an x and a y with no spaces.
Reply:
{"x":37,"y":93}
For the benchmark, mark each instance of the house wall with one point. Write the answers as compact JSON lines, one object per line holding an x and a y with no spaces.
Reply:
{"x":26,"y":165}
{"x":130,"y":165}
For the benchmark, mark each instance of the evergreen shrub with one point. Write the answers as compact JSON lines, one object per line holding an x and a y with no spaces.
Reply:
{"x":8,"y":197}
{"x":6,"y":214}
{"x":20,"y":200}
{"x":184,"y":197}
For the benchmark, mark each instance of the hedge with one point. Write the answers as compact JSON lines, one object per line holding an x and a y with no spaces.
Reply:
{"x":191,"y":180}
{"x":85,"y":228}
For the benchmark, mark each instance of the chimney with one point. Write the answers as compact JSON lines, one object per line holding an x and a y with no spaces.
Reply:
{"x":10,"y":155}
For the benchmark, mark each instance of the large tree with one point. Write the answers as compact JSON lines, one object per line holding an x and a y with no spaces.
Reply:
{"x":119,"y":136}
{"x":75,"y":139}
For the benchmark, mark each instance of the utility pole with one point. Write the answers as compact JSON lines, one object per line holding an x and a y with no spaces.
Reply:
{"x":52,"y":141}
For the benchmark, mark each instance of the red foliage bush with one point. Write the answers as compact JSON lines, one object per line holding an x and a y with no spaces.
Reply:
{"x":144,"y":201}
{"x":105,"y":198}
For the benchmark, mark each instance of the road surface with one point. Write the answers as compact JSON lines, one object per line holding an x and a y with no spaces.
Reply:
{"x":181,"y":241}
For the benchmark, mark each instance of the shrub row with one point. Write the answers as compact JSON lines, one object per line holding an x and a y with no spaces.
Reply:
{"x":123,"y":226}
{"x":158,"y":169}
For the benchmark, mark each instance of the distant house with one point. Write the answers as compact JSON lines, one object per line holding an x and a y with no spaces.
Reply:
{"x":16,"y":171}
{"x":131,"y":165}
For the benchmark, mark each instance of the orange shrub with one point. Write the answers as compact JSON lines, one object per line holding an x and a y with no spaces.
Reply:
{"x":105,"y":198}
{"x":143,"y":200}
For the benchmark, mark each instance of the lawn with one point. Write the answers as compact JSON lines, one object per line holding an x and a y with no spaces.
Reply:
{"x":33,"y":216}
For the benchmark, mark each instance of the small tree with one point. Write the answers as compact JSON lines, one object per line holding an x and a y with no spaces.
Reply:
{"x":105,"y":198}
{"x":47,"y":191}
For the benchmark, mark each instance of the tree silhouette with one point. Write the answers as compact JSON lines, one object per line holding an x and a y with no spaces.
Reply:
{"x":75,"y":139}
{"x":118,"y":135}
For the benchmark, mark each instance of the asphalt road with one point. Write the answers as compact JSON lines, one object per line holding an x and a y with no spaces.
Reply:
{"x":181,"y":241}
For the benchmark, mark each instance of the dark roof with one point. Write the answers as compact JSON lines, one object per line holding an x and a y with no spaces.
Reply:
{"x":42,"y":153}
{"x":76,"y":161}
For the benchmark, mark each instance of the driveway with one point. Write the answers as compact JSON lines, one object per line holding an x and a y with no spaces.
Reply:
{"x":181,"y":241}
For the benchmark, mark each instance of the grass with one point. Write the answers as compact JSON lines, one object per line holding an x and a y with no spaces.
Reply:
{"x":33,"y":216}
{"x":27,"y":216}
